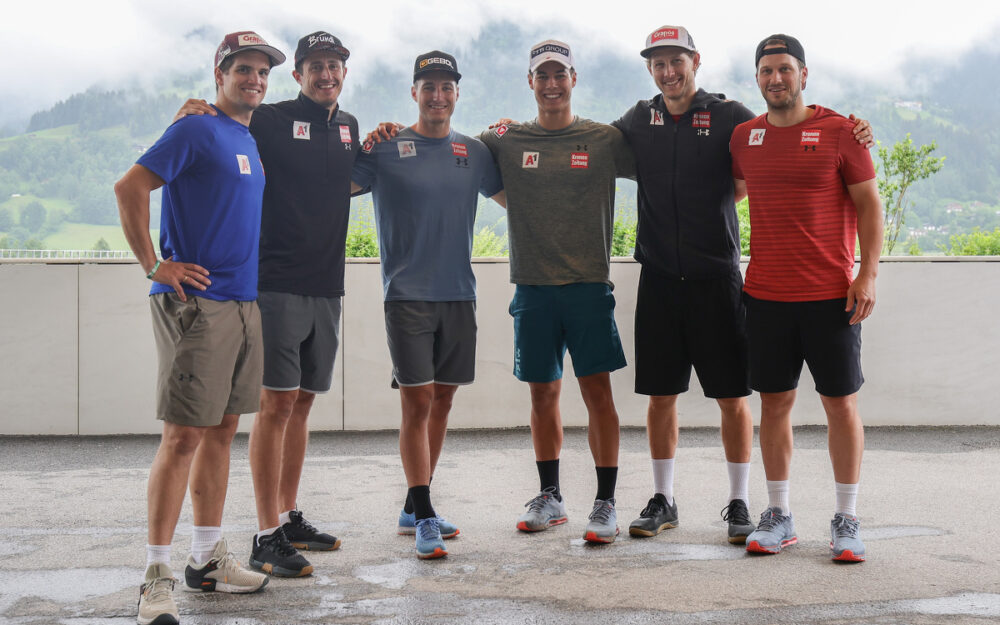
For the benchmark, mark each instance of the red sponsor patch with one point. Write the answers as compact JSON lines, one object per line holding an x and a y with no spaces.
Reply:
{"x":367,"y":147}
{"x":579,"y":160}
{"x":459,"y":149}
{"x":702,"y":120}
{"x":664,"y":33}
{"x":345,"y":134}
{"x":500,"y":130}
{"x":810,"y":137}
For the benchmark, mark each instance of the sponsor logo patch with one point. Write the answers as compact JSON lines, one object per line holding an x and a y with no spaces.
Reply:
{"x":702,"y":119}
{"x":757,"y":136}
{"x":437,"y":61}
{"x":367,"y":147}
{"x":459,"y":149}
{"x":244,"y":164}
{"x":406,"y":149}
{"x":250,"y":39}
{"x":664,"y":33}
{"x":345,"y":134}
{"x":810,"y":137}
{"x":300,"y":130}
{"x":529,"y":160}
{"x":579,"y":160}
{"x":500,"y":130}
{"x":655,"y":117}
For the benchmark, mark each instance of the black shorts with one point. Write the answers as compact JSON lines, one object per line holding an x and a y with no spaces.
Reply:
{"x":685,"y":323}
{"x":784,"y":334}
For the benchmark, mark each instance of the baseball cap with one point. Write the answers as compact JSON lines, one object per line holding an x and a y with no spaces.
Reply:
{"x":319,"y":40}
{"x":246,"y":40}
{"x":792,"y":46}
{"x":550,"y":50}
{"x":435,"y":61}
{"x":672,"y":36}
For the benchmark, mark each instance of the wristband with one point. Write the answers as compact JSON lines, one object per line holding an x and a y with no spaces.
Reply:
{"x":153,"y":270}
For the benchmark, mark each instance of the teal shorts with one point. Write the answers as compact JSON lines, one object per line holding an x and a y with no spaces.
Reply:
{"x":550,"y":319}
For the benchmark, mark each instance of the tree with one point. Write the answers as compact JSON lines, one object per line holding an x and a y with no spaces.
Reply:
{"x":743,"y":214}
{"x":33,"y":216}
{"x":6,"y":219}
{"x":101,"y":245}
{"x":976,"y":243}
{"x":488,"y":244}
{"x":901,"y":166}
{"x":361,"y":240}
{"x":623,"y":237}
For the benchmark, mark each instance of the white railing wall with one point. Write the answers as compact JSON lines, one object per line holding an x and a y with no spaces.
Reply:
{"x":77,"y":353}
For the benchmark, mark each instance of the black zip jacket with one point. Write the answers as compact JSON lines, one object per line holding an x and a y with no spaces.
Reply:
{"x":307,"y":195}
{"x":687,"y":226}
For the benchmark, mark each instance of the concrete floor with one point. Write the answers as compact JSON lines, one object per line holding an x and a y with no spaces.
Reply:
{"x":72,"y":532}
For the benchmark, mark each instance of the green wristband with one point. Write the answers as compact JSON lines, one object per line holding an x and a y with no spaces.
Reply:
{"x":153,"y":270}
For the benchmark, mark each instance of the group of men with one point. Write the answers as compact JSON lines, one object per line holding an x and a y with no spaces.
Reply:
{"x":247,"y":289}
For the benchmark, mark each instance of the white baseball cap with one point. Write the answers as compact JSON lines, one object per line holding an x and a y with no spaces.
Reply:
{"x":550,"y":50}
{"x":668,"y":36}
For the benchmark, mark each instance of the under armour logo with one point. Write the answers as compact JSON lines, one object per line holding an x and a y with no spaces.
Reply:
{"x":703,"y":132}
{"x":806,"y":148}
{"x":461,"y":162}
{"x":186,"y":377}
{"x":581,"y":147}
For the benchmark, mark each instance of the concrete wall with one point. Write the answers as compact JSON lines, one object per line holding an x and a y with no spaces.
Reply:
{"x":77,"y":353}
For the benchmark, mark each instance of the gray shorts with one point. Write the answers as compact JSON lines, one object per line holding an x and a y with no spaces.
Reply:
{"x":300,"y":340}
{"x":210,"y":358}
{"x":431,"y":342}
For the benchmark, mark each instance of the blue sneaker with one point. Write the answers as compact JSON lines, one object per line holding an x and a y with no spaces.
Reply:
{"x":408,"y":525}
{"x":774,"y":531}
{"x":429,"y":542}
{"x":845,"y":539}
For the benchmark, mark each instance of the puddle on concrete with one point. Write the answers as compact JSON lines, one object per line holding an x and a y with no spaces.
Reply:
{"x":966,"y":604}
{"x":659,"y":550}
{"x":64,"y":586}
{"x":883,"y":533}
{"x":393,"y":575}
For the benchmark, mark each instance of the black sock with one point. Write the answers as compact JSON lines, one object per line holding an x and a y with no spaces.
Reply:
{"x":607,"y":477}
{"x":421,"y":498}
{"x":408,"y":504}
{"x":548,"y":474}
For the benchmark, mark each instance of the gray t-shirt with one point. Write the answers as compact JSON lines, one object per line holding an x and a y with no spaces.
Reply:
{"x":425,"y":196}
{"x":560,"y":187}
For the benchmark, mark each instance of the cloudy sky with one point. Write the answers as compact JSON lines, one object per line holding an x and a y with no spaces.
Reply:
{"x":54,"y":49}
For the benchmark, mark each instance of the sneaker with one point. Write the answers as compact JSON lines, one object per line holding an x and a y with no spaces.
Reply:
{"x":774,"y":531}
{"x":275,"y":555}
{"x":408,"y":525}
{"x":544,"y":510}
{"x":655,"y":517}
{"x":429,"y":542}
{"x":222,"y":573}
{"x":738,"y":517}
{"x":603,"y":526}
{"x":845,"y":539}
{"x":156,"y":603}
{"x":303,"y":535}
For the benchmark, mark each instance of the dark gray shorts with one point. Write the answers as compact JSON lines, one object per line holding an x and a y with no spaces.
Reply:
{"x":210,"y":358}
{"x":431,"y":342}
{"x":301,"y":335}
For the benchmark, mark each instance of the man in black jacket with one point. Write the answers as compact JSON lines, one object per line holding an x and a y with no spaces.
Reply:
{"x":689,"y":309}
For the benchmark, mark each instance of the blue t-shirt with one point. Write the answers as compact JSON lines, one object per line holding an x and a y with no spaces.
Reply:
{"x":424,"y":192}
{"x":211,"y":202}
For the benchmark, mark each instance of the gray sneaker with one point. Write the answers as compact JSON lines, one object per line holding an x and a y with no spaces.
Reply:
{"x":156,"y":601}
{"x":655,"y":517}
{"x":544,"y":511}
{"x":845,"y":539}
{"x":774,"y":531}
{"x":603,"y":526}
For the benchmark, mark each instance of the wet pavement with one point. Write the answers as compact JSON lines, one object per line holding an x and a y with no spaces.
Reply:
{"x":72,"y":536}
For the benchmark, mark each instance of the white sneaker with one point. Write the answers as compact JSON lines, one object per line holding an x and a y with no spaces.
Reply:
{"x":222,"y":573}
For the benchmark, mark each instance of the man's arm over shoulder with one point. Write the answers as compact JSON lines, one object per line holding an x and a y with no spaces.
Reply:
{"x":624,"y":159}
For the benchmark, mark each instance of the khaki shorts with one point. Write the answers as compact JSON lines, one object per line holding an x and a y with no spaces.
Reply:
{"x":211,"y":358}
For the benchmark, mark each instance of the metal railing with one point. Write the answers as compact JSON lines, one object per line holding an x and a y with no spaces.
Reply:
{"x":67,"y":254}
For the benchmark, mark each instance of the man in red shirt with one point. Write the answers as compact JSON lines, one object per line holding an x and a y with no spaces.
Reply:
{"x":812,"y":192}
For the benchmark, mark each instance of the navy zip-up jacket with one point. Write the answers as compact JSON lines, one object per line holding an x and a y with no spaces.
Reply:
{"x":687,"y":225}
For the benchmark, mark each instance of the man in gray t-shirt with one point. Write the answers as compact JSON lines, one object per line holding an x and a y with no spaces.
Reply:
{"x":559,"y":173}
{"x":425,"y":184}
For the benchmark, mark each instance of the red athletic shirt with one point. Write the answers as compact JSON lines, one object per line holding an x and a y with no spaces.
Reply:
{"x":803,"y":223}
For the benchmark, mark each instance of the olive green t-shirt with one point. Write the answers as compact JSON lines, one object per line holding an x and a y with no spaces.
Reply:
{"x":560,"y":187}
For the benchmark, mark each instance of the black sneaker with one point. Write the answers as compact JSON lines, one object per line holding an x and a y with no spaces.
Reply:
{"x":655,"y":517}
{"x":275,"y":555}
{"x":738,"y":517}
{"x":304,"y":536}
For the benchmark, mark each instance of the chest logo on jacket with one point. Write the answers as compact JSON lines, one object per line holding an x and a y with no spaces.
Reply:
{"x":810,"y":139}
{"x":300,"y":130}
{"x":655,"y":117}
{"x":702,"y":120}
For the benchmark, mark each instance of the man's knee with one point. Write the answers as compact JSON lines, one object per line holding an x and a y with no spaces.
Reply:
{"x":181,"y":440}
{"x":277,"y":404}
{"x":840,"y":408}
{"x":734,"y":408}
{"x":545,"y":395}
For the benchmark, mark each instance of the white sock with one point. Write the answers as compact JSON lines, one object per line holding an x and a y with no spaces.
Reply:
{"x":157,"y":554}
{"x":847,"y":498}
{"x":663,"y":478}
{"x":739,"y":481}
{"x":777,"y":495}
{"x":203,"y":539}
{"x":285,"y":517}
{"x":267,"y":532}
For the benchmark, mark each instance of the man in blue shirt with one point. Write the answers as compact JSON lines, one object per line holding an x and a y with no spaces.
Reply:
{"x":205,"y":317}
{"x":425,"y":183}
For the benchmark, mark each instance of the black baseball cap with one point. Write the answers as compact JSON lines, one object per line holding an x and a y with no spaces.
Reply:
{"x":320,"y":40}
{"x":792,"y":47}
{"x":435,"y":61}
